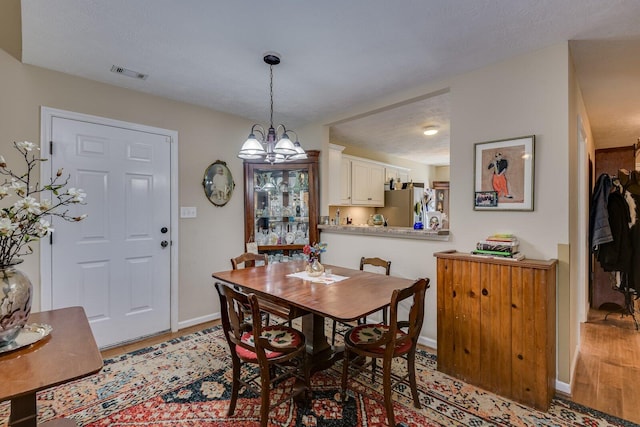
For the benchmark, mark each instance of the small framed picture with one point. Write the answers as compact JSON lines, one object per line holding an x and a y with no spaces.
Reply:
{"x":434,"y":220}
{"x":505,"y":167}
{"x":218,"y":183}
{"x":487,"y":199}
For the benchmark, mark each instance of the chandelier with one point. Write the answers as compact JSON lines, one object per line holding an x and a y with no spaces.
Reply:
{"x":274,"y":145}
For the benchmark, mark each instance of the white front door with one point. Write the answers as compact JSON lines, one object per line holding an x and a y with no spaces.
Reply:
{"x":115,"y":263}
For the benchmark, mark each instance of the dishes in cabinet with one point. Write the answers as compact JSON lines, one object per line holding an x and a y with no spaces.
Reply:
{"x":290,"y":238}
{"x":273,"y":238}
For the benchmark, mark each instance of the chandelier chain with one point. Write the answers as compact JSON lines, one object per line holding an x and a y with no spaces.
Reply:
{"x":271,"y":92}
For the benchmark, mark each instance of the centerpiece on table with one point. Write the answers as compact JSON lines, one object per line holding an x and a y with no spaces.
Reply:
{"x":314,"y":268}
{"x":23,"y":222}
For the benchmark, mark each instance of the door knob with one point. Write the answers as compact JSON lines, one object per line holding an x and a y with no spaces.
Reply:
{"x":164,"y":243}
{"x":163,"y":230}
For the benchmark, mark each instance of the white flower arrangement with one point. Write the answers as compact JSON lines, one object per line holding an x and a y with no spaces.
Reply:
{"x":25,"y":220}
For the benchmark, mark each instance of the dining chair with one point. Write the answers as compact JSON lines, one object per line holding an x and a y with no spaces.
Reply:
{"x":386,"y":342}
{"x":268,"y":308}
{"x":278,"y":351}
{"x":377,"y":263}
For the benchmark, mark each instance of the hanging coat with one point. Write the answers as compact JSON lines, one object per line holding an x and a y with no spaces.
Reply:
{"x":599,"y":229}
{"x":616,"y":255}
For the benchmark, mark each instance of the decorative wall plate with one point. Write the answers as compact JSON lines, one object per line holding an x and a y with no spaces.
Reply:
{"x":218,"y":183}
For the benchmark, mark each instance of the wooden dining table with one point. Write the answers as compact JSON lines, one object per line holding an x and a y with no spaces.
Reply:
{"x":360,"y":294}
{"x":69,"y":352}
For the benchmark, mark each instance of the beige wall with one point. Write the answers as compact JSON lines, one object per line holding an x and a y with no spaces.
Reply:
{"x":521,"y":96}
{"x":207,"y":242}
{"x":581,"y":148}
{"x":11,"y":28}
{"x":442,"y":173}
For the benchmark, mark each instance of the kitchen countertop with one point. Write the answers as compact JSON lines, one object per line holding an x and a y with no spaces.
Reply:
{"x":380,"y":231}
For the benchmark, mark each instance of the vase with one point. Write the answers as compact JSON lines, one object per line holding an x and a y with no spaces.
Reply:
{"x":314,"y":268}
{"x":15,"y":302}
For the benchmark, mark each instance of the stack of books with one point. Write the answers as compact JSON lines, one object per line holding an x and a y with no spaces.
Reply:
{"x":503,"y":246}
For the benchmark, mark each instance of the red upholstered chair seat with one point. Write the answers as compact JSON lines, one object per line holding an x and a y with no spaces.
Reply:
{"x":364,"y":334}
{"x":278,"y":336}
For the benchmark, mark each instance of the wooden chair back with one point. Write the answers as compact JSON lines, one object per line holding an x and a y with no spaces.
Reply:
{"x":413,"y":325}
{"x":289,"y":358}
{"x":390,"y":344}
{"x":284,"y":311}
{"x":376,"y":262}
{"x":248,"y":259}
{"x":232,"y":303}
{"x":390,"y":340}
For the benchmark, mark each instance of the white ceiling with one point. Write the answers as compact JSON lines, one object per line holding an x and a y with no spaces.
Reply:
{"x":338,"y":54}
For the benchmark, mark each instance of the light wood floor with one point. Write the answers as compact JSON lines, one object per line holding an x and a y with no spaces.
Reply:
{"x":115,"y":351}
{"x":607,"y":374}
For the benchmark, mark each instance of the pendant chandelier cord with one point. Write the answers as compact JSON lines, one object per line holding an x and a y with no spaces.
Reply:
{"x":271,"y":92}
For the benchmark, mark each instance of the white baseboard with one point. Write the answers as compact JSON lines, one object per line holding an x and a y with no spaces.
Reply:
{"x":198,"y":320}
{"x":428,"y":342}
{"x":563,"y":388}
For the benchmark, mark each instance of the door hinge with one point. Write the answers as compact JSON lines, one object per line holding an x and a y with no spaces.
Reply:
{"x":51,"y":238}
{"x":51,"y":148}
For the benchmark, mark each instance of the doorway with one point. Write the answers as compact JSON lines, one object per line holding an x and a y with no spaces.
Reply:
{"x":119,"y":263}
{"x":606,"y":368}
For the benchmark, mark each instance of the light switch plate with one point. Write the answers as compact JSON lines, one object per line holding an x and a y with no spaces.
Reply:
{"x":188,"y":212}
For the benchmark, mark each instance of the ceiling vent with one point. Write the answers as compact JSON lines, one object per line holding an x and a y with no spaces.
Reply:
{"x":129,"y":73}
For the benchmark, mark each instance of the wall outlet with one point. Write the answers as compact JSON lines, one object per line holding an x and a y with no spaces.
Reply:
{"x":188,"y":212}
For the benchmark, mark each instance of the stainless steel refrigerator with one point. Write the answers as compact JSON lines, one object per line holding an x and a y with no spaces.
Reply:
{"x":402,"y":208}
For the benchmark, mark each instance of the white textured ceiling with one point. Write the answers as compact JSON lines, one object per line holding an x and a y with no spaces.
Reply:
{"x":336,"y":54}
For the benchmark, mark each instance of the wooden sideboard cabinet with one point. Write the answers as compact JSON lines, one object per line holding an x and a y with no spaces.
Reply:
{"x":497,"y":323}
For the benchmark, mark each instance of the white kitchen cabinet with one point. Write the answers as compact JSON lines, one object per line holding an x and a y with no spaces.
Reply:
{"x":367,"y":183}
{"x":403,"y":175}
{"x":398,"y":174}
{"x":345,"y":181}
{"x":354,"y":181}
{"x":338,"y":176}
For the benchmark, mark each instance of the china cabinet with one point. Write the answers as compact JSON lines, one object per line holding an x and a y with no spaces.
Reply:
{"x":281,"y":204}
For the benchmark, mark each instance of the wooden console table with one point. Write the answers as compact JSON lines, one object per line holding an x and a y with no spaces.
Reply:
{"x":69,"y":353}
{"x":497,"y":325}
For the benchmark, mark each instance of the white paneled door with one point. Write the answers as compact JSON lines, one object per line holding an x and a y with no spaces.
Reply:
{"x":116,"y":262}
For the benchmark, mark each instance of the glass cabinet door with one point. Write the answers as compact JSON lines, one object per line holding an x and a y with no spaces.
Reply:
{"x":281,"y":205}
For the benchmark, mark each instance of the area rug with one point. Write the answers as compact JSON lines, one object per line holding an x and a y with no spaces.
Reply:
{"x":187,"y":382}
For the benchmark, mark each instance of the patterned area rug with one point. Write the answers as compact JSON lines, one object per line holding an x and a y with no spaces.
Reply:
{"x":186,"y":382}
